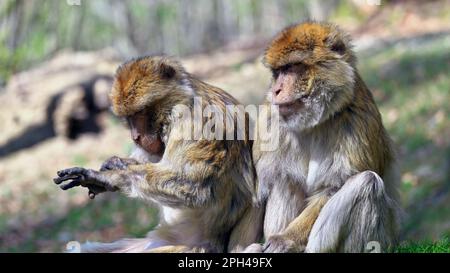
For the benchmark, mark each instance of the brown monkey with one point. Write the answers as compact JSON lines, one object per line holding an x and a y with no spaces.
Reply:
{"x":204,"y":186}
{"x":331,"y":186}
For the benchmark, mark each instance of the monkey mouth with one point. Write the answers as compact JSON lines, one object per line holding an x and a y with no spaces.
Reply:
{"x":152,"y":145}
{"x":288,"y":109}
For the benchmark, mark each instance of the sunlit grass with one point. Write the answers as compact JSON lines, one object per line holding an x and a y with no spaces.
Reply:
{"x":442,"y":246}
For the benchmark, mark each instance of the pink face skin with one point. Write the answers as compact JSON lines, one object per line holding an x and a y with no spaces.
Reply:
{"x":150,"y":141}
{"x":284,"y":90}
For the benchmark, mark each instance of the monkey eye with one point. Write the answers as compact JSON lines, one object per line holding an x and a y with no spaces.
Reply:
{"x":275,"y":73}
{"x":338,"y":47}
{"x":285,"y":68}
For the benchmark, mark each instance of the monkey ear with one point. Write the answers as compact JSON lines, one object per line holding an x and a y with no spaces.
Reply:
{"x":166,"y":71}
{"x":338,"y":47}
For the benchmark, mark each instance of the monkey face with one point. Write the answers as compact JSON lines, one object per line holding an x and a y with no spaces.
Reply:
{"x":290,"y":88}
{"x":313,"y":74}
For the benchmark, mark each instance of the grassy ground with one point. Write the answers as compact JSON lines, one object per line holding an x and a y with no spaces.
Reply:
{"x":412,"y":86}
{"x":442,"y":246}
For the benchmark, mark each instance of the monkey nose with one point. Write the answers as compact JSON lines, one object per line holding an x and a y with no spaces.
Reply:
{"x":276,"y":92}
{"x":136,"y":138}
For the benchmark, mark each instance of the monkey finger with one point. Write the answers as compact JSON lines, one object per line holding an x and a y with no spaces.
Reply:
{"x":278,"y":244}
{"x":105,"y":168}
{"x":114,"y":163}
{"x":109,"y":167}
{"x":71,"y":184}
{"x":59,"y":180}
{"x":91,"y":195}
{"x":272,"y":246}
{"x":71,"y":171}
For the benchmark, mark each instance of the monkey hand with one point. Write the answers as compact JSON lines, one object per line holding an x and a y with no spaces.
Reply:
{"x":117,"y":163}
{"x":83,"y":177}
{"x":281,"y":244}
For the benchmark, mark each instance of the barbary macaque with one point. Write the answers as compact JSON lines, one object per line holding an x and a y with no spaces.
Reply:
{"x":331,"y":186}
{"x":204,"y":187}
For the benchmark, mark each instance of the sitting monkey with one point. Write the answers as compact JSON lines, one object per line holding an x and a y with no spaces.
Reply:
{"x":204,"y":187}
{"x":331,"y":186}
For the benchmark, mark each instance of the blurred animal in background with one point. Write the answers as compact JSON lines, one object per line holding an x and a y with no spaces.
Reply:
{"x":69,"y":113}
{"x":332,"y":184}
{"x":204,"y":187}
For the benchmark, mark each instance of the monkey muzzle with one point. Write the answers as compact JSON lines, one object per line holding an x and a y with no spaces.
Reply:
{"x":288,"y":109}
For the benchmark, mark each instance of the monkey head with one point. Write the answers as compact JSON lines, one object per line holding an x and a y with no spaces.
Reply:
{"x":143,"y":91}
{"x":313,"y":69}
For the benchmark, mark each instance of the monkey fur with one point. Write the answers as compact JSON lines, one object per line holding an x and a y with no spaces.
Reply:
{"x":204,"y":187}
{"x":331,"y":186}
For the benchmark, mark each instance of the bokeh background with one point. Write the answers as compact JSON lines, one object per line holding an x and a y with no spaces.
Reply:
{"x":56,"y":62}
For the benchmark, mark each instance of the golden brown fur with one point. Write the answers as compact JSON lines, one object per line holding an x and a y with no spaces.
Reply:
{"x":322,"y":194}
{"x":308,"y":43}
{"x":204,"y":187}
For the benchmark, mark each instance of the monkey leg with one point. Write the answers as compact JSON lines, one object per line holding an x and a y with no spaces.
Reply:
{"x":248,"y":230}
{"x":119,"y":246}
{"x":294,"y":238}
{"x":127,"y":245}
{"x":358,"y":213}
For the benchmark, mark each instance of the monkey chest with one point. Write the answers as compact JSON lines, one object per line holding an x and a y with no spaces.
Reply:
{"x":308,"y":171}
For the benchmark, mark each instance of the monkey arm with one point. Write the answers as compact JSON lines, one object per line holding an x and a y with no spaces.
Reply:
{"x":113,"y":163}
{"x":299,"y":229}
{"x":295,"y":237}
{"x":166,"y":184}
{"x":148,"y":181}
{"x":183,"y":180}
{"x":186,"y":176}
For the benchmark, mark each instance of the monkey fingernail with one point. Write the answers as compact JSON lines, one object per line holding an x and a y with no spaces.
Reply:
{"x":91,"y":195}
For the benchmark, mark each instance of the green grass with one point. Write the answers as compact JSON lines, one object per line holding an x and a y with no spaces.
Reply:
{"x":442,"y":246}
{"x":411,"y":85}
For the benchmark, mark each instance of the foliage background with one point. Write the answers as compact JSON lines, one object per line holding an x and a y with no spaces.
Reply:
{"x":49,"y":49}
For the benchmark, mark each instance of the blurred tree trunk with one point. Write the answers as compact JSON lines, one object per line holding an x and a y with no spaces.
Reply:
{"x":256,"y":15}
{"x":131,"y":28}
{"x":78,"y":27}
{"x":17,"y":16}
{"x":36,"y":29}
{"x":321,"y":10}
